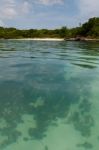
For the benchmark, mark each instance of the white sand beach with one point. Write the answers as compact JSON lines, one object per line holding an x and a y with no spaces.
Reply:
{"x":41,"y":39}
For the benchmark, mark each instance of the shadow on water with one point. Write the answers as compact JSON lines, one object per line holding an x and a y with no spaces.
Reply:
{"x":88,"y":66}
{"x":47,"y":95}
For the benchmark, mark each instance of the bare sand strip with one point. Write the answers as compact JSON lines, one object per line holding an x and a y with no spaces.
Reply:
{"x":56,"y":39}
{"x":41,"y":39}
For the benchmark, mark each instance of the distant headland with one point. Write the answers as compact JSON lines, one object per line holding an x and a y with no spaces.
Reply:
{"x":89,"y":31}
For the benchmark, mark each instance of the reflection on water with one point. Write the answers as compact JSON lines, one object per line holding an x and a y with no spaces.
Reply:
{"x":49,"y":95}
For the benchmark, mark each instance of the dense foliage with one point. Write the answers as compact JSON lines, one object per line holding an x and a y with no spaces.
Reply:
{"x":88,"y":29}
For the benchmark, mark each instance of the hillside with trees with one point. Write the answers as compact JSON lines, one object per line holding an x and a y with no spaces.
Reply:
{"x":89,"y":29}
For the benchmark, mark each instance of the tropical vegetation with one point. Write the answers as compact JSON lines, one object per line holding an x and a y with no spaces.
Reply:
{"x":89,"y":29}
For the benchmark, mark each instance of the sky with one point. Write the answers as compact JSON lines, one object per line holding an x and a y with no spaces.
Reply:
{"x":51,"y":14}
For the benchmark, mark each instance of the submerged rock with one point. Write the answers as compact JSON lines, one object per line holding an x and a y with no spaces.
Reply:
{"x":46,"y":147}
{"x":25,"y":139}
{"x":86,"y":145}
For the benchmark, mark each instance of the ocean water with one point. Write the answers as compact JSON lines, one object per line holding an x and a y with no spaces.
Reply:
{"x":49,"y":95}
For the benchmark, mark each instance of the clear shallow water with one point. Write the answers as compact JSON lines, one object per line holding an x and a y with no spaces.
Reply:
{"x":49,"y":95}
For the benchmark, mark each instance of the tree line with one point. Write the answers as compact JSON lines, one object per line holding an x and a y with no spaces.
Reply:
{"x":89,"y":29}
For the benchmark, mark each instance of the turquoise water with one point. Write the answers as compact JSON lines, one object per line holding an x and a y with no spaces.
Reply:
{"x":49,"y":95}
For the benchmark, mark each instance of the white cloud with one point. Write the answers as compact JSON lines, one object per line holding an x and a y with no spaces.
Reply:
{"x":1,"y":23}
{"x":8,"y":13}
{"x":89,"y":8}
{"x":9,"y":2}
{"x":51,"y":2}
{"x":25,"y":7}
{"x":7,"y":9}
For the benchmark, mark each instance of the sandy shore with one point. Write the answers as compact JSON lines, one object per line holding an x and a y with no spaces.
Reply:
{"x":41,"y":39}
{"x":55,"y":39}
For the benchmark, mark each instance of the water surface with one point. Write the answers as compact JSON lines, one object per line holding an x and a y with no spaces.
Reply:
{"x":49,"y":95}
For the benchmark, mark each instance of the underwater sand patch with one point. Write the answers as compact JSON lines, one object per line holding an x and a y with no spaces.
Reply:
{"x":3,"y":123}
{"x":62,"y":137}
{"x":28,"y":122}
{"x":95,"y":111}
{"x":37,"y":103}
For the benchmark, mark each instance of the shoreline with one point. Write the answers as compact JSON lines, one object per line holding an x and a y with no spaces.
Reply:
{"x":56,"y":39}
{"x":40,"y":39}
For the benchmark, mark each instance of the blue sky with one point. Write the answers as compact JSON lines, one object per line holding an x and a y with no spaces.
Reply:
{"x":46,"y":13}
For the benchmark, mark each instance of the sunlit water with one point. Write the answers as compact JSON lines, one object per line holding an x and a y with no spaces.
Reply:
{"x":49,"y":95}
